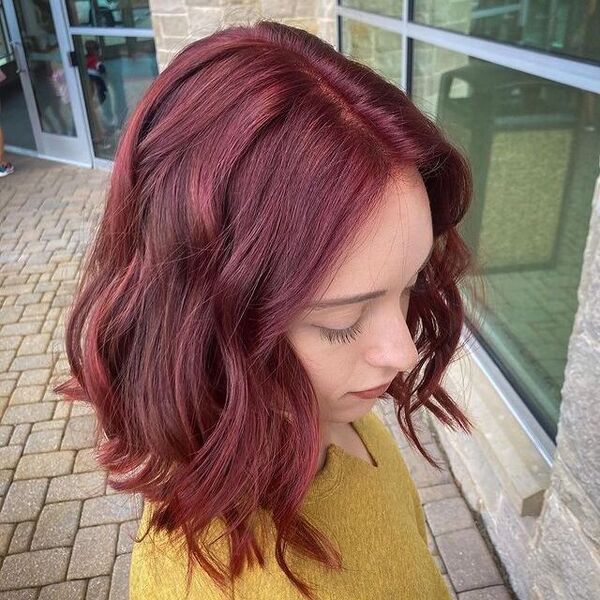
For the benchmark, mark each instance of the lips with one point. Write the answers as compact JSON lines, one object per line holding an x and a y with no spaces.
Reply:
{"x":372,"y":393}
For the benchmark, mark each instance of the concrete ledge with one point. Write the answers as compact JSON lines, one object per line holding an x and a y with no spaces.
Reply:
{"x":501,"y":473}
{"x":504,"y":446}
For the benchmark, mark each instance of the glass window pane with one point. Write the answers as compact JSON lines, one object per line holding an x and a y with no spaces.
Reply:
{"x":45,"y":67}
{"x":562,"y":27}
{"x":391,"y":8}
{"x":115,"y":72}
{"x":377,"y":48}
{"x":533,"y":146}
{"x":109,"y":13}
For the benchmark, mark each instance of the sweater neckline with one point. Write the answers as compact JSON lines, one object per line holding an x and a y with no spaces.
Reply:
{"x":339,"y":462}
{"x":361,"y":431}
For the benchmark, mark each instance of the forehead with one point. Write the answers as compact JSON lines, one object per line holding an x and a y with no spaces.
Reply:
{"x":390,"y":247}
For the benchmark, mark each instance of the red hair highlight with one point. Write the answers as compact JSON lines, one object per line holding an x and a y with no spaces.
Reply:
{"x":241,"y":177}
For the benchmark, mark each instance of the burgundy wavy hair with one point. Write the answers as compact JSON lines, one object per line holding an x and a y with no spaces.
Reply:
{"x":242,"y":176}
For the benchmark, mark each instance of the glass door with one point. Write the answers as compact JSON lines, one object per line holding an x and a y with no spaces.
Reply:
{"x":41,"y":46}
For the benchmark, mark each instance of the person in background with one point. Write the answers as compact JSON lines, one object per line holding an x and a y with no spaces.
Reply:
{"x":6,"y":168}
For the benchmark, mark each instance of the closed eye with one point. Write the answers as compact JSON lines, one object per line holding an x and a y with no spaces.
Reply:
{"x":349,"y":334}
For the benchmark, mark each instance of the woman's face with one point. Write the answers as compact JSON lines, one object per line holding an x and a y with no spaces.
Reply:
{"x":385,"y":260}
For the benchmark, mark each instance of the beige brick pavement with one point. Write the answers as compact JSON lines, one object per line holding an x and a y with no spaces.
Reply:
{"x":63,"y":534}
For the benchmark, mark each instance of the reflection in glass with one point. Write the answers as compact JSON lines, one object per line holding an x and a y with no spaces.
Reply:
{"x":567,"y":27}
{"x":115,"y":72}
{"x":391,"y":8}
{"x":14,"y":117}
{"x":378,"y":48}
{"x":45,"y":67}
{"x":109,"y":13}
{"x":533,"y":147}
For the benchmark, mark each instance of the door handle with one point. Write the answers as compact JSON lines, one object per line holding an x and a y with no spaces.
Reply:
{"x":19,"y":56}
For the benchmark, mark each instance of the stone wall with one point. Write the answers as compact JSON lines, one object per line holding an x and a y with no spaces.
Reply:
{"x":179,"y":22}
{"x":566,"y":547}
{"x":543,"y":521}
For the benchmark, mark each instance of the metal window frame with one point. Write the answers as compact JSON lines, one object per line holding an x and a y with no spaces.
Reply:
{"x":112,"y":31}
{"x":576,"y":74}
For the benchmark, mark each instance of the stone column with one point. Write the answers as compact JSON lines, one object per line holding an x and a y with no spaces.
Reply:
{"x":176,"y":23}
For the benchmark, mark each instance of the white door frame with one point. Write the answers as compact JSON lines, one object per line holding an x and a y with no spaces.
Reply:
{"x":72,"y":149}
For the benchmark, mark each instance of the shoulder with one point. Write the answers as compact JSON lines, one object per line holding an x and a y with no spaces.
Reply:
{"x":159,"y":565}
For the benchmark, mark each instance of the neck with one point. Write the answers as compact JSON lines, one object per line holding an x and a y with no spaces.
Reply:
{"x":332,"y":434}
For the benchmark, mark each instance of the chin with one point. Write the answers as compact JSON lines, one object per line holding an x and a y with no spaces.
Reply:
{"x":356,"y":409}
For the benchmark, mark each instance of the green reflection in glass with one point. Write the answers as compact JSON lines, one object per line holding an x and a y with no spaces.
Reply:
{"x":109,"y":13}
{"x":533,"y":146}
{"x":377,"y":48}
{"x":390,"y":8}
{"x":561,"y":27}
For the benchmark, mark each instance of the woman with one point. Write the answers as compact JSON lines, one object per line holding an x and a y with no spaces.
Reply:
{"x":279,"y":236}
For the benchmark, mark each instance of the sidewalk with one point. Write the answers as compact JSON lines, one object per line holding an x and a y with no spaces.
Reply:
{"x":64,"y":534}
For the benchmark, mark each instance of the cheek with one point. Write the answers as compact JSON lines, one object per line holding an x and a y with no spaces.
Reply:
{"x":329,"y":366}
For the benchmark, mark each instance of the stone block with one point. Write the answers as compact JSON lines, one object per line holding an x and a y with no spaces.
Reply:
{"x":43,"y":441}
{"x":80,"y":433}
{"x":6,"y":532}
{"x":7,"y":386}
{"x":497,"y":592}
{"x":93,"y":551}
{"x":63,"y":408}
{"x":449,"y":514}
{"x":10,"y":314}
{"x":9,"y":456}
{"x":98,"y":588}
{"x":438,"y":492}
{"x":21,"y":327}
{"x":51,"y":424}
{"x":172,"y":25}
{"x":38,"y":568}
{"x":6,"y":357}
{"x":28,"y":413}
{"x":20,"y":434}
{"x":78,"y":486}
{"x":57,"y":525}
{"x":67,"y":590}
{"x":31,"y":361}
{"x":23,"y":594}
{"x":5,"y":433}
{"x":27,"y":394}
{"x":85,"y":461}
{"x":6,"y":476}
{"x":45,"y":464}
{"x":34,"y":377}
{"x":21,"y":537}
{"x":115,"y":508}
{"x":468,"y":560}
{"x":81,"y":408}
{"x":34,"y":344}
{"x":127,"y":533}
{"x":24,"y":501}
{"x":422,"y":473}
{"x":120,"y":577}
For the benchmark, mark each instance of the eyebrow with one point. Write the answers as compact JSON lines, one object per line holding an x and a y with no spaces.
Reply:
{"x":360,"y":297}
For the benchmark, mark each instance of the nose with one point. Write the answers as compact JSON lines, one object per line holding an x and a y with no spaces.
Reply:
{"x":392,"y":347}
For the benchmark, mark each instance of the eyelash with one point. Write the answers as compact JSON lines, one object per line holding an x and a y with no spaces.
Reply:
{"x":345,"y":336}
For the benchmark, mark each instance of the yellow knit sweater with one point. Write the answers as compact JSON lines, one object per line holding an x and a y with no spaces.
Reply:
{"x":372,"y":513}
